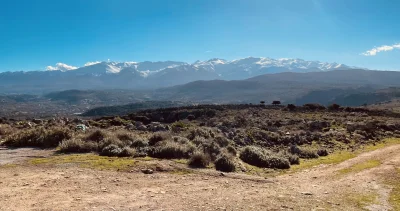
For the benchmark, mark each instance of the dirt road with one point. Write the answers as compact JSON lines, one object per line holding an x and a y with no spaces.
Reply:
{"x":345,"y":186}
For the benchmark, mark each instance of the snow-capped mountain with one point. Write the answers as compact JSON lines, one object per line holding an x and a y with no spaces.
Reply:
{"x":157,"y":74}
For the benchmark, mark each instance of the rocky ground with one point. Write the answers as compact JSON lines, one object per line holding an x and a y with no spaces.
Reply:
{"x":67,"y":186}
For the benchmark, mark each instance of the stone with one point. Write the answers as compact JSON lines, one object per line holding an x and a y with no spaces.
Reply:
{"x":147,"y":171}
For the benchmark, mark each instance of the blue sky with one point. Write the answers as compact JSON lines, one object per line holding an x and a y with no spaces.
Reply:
{"x":35,"y":34}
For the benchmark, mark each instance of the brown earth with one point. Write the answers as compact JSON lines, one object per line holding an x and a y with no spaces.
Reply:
{"x":24,"y":186}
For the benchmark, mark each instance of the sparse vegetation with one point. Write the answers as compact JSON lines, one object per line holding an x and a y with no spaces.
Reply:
{"x":260,"y":137}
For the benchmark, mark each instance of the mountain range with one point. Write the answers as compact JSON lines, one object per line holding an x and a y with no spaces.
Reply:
{"x":152,"y":75}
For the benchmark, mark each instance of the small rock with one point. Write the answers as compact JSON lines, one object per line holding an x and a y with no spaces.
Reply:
{"x":147,"y":171}
{"x":306,"y":193}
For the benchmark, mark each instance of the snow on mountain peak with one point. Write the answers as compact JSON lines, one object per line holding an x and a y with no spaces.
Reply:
{"x":234,"y":69}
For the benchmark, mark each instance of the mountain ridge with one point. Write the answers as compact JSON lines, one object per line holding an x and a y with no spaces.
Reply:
{"x":153,"y":75}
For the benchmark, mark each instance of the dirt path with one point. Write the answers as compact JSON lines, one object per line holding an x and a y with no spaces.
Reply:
{"x":8,"y":156}
{"x":68,"y":187}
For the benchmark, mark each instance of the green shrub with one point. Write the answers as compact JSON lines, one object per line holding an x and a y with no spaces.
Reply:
{"x":170,"y":149}
{"x":231,"y":150}
{"x":202,"y":132}
{"x":225,"y":163}
{"x":126,"y":137}
{"x":140,"y":143}
{"x":158,"y":137}
{"x":253,"y":155}
{"x":111,"y":150}
{"x":127,"y":152}
{"x":322,"y":152}
{"x":334,"y":107}
{"x":110,"y":141}
{"x":199,"y":140}
{"x":275,"y":161}
{"x":210,"y":148}
{"x":97,"y":136}
{"x":179,"y":126}
{"x":181,"y":140}
{"x":222,"y":141}
{"x":5,"y":130}
{"x":39,"y":137}
{"x":77,"y":145}
{"x":303,"y":152}
{"x":261,"y":158}
{"x":293,"y":159}
{"x":199,"y":160}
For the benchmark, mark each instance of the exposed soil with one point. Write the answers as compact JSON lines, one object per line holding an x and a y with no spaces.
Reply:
{"x":17,"y":155}
{"x":68,"y":187}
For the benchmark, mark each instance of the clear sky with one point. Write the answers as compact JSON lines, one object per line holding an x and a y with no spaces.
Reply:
{"x":38,"y":33}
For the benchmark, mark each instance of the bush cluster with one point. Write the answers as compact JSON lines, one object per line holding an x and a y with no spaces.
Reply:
{"x":38,"y":137}
{"x":261,"y":158}
{"x":304,"y":152}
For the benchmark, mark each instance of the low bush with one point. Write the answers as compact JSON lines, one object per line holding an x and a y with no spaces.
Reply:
{"x":97,"y":136}
{"x":111,"y":150}
{"x":126,"y":136}
{"x":231,"y":150}
{"x":291,"y":107}
{"x":253,"y":155}
{"x":5,"y":130}
{"x":222,"y":141}
{"x":76,"y":145}
{"x":210,"y":148}
{"x":199,"y":160}
{"x":199,"y":140}
{"x":304,"y":152}
{"x":181,"y":140}
{"x":334,"y":107}
{"x":158,"y":137}
{"x":292,"y":158}
{"x":322,"y":152}
{"x":201,"y":132}
{"x":110,"y":141}
{"x":170,"y":149}
{"x":140,"y":143}
{"x":39,"y":137}
{"x":261,"y":158}
{"x":314,"y":106}
{"x":225,"y":163}
{"x":127,"y":152}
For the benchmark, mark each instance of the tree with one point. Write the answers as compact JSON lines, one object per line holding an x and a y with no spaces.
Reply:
{"x":276,"y":102}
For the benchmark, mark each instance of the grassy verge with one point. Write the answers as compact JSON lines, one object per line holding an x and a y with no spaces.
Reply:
{"x":340,"y":156}
{"x":361,"y":200}
{"x":89,"y":161}
{"x":393,"y":180}
{"x":94,"y":161}
{"x":360,"y":167}
{"x":334,"y":158}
